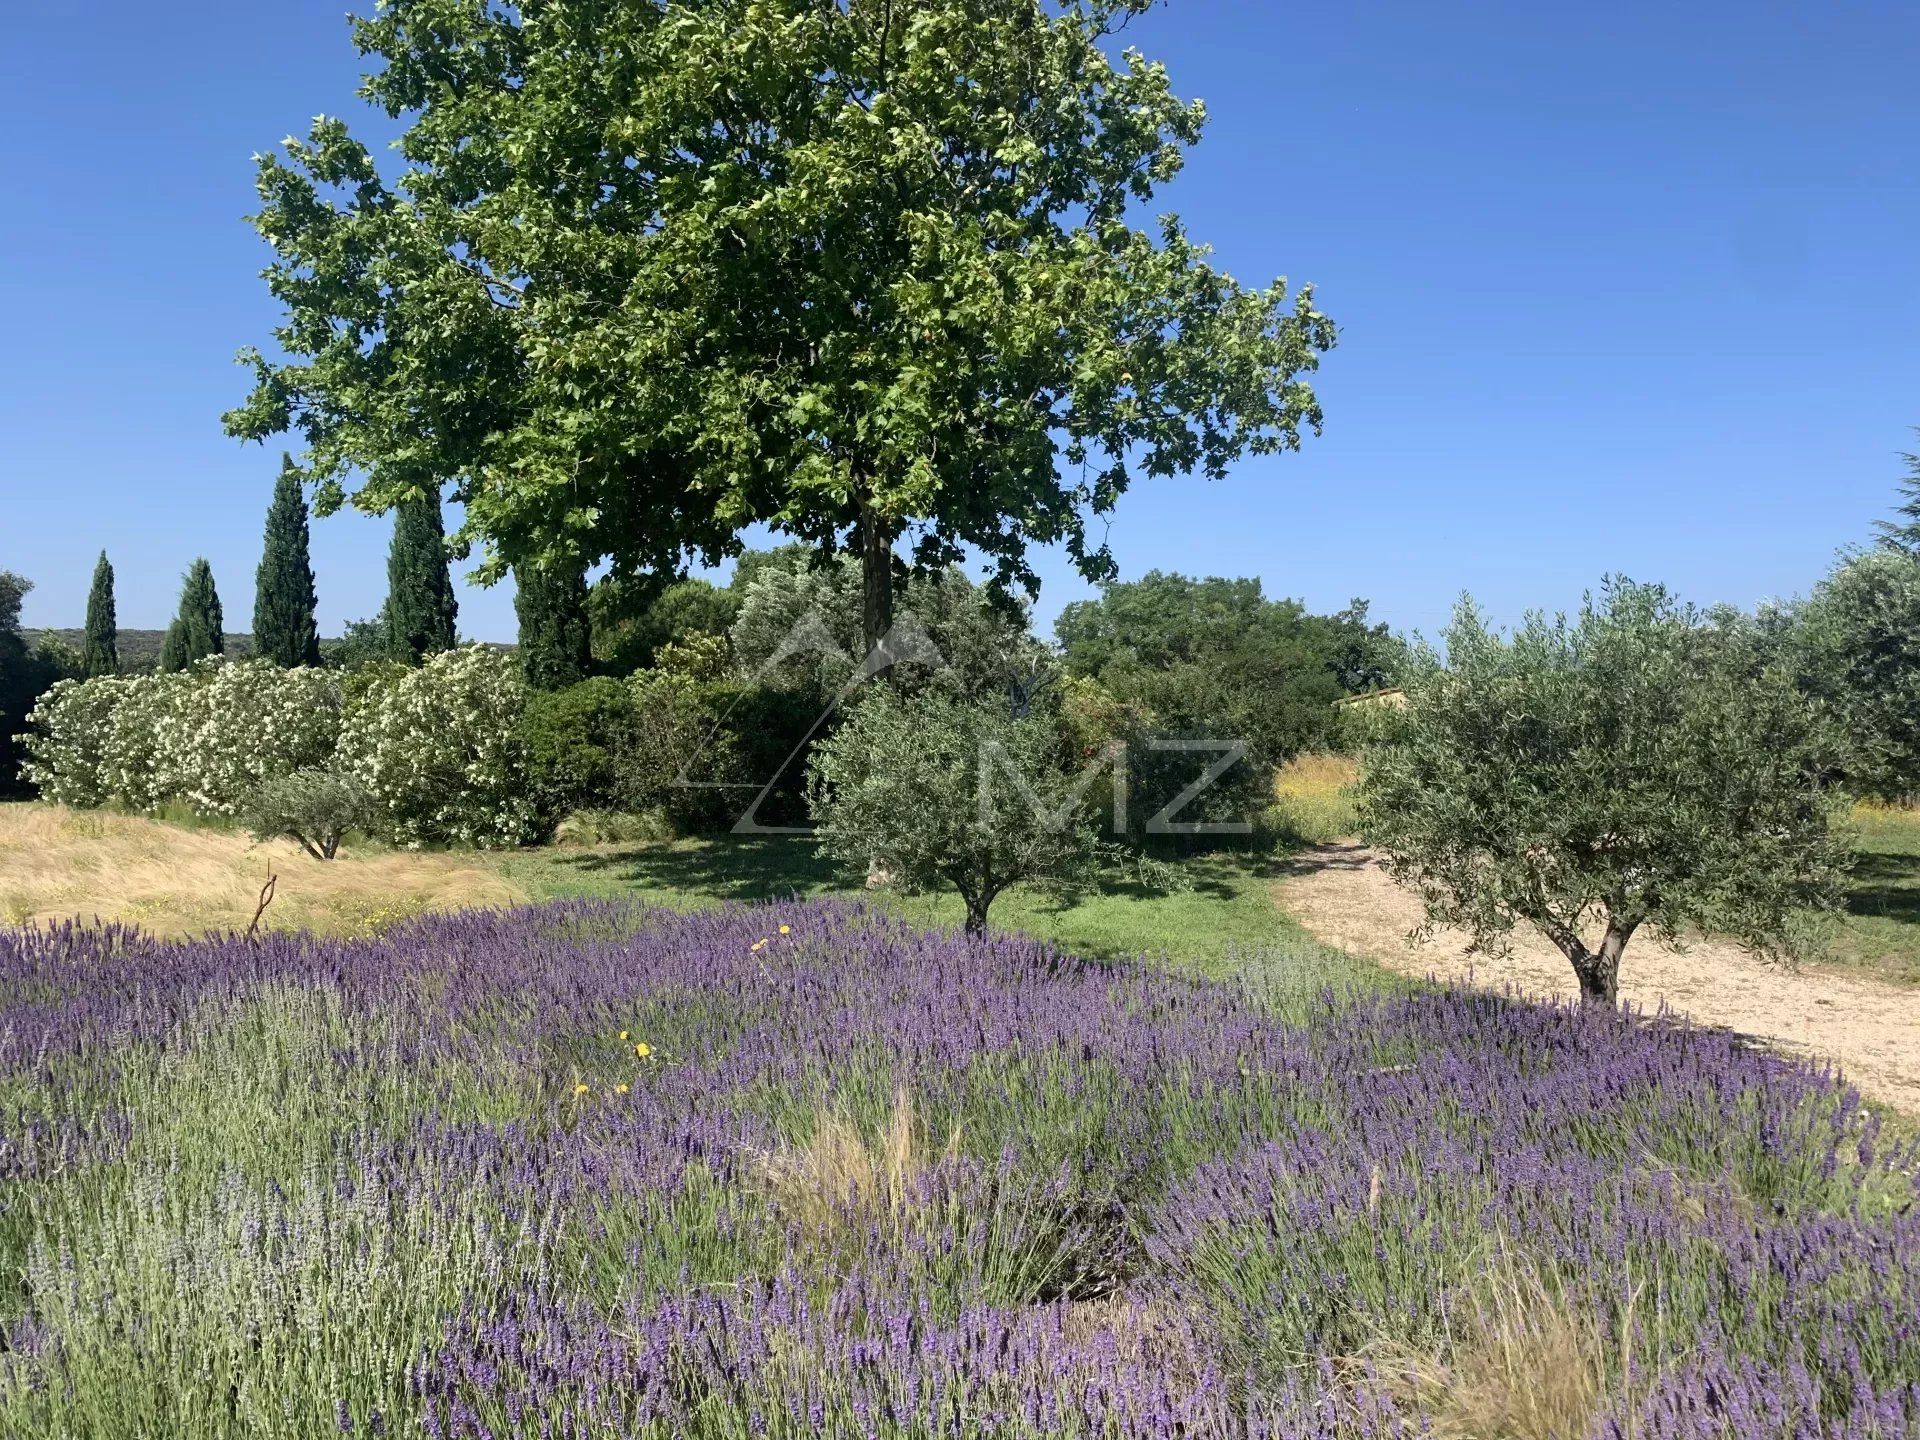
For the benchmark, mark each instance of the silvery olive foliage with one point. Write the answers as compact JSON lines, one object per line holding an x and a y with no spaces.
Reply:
{"x":316,"y":807}
{"x":954,"y":793}
{"x":440,"y":748}
{"x":1596,"y":776}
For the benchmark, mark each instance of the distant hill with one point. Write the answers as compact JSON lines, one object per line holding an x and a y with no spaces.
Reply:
{"x":139,"y":649}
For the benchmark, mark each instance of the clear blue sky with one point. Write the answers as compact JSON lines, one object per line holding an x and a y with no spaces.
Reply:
{"x":1630,"y":287}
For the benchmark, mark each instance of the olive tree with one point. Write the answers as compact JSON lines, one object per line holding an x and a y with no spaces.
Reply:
{"x":956,"y":793}
{"x":1598,"y":777}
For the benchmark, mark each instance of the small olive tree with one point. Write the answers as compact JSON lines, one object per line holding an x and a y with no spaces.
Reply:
{"x":953,"y":792}
{"x":1596,"y":777}
{"x":317,"y":807}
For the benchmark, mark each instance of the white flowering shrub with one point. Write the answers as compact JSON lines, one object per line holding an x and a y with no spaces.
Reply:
{"x":236,"y":725}
{"x":441,"y":751}
{"x":146,"y":764}
{"x":68,"y":740}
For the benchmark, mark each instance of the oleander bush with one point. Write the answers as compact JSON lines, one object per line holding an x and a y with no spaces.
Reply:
{"x":441,"y":749}
{"x":208,"y":736}
{"x":593,"y":1170}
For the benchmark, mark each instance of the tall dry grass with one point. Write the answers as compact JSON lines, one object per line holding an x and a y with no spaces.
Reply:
{"x":1313,"y":798}
{"x":57,"y":863}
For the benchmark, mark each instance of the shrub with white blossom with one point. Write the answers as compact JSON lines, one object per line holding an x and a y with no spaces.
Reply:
{"x":210,"y":735}
{"x":441,"y":750}
{"x":242,"y":724}
{"x":69,"y":742}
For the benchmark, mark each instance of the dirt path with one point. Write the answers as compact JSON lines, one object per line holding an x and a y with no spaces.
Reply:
{"x":1871,"y":1029}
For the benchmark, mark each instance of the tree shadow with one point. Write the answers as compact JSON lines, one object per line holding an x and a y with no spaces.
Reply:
{"x":734,"y":867}
{"x":1342,"y":855}
{"x":1885,"y":887}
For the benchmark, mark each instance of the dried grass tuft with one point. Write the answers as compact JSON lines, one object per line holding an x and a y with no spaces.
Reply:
{"x":59,"y":864}
{"x":839,"y":1176}
{"x":1529,"y":1362}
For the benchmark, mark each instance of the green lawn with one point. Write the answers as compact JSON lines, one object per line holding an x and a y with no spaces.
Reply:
{"x":1224,"y":921}
{"x":1881,"y":932}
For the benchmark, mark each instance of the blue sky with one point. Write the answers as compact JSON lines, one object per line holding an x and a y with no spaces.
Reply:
{"x":1633,"y":287}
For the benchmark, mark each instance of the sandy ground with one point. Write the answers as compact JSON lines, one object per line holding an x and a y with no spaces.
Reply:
{"x":1871,"y":1030}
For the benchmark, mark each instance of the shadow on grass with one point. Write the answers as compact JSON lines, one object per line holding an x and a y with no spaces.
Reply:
{"x":1885,"y":886}
{"x":725,"y":868}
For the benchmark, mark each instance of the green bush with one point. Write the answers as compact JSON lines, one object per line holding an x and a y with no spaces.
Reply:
{"x":580,"y":743}
{"x":316,"y":807}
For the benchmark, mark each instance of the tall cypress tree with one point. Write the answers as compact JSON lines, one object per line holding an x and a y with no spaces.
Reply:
{"x":284,"y":628}
{"x":420,"y":604}
{"x":556,"y":648}
{"x":100,"y":655}
{"x":198,"y":630}
{"x":1904,"y":534}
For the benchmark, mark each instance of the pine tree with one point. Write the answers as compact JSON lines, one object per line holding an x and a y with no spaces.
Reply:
{"x":198,"y":630}
{"x":420,"y":604}
{"x":100,"y":655}
{"x":1904,"y":534}
{"x":284,"y":628}
{"x":555,"y":637}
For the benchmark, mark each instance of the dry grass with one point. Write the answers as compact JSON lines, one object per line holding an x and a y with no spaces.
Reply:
{"x":1313,"y":797}
{"x":1529,"y":1363}
{"x":838,"y":1176}
{"x":57,"y":863}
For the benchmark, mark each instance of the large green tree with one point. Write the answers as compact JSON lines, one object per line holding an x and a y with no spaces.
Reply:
{"x":421,"y":607}
{"x":655,"y":270}
{"x":1632,"y":769}
{"x":100,"y":653}
{"x":285,"y":629}
{"x":198,"y":630}
{"x":556,"y":641}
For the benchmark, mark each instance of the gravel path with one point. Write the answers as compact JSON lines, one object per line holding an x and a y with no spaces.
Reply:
{"x":1870,"y":1029}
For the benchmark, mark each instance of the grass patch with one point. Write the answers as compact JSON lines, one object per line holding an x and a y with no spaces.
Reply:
{"x":1224,"y":915}
{"x":1880,"y":934}
{"x":172,"y":879}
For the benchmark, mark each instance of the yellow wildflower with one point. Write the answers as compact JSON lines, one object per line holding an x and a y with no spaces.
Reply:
{"x":643,"y":1050}
{"x":623,"y":1087}
{"x":758,"y":945}
{"x":786,"y":929}
{"x":581,"y":1089}
{"x":623,"y":1035}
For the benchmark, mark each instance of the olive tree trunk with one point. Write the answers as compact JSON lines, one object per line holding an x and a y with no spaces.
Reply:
{"x":1598,"y":970}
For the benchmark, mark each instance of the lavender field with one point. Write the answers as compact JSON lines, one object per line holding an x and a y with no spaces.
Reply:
{"x":591,"y":1170}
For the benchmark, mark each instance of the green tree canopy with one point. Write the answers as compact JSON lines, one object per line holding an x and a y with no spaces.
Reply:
{"x":632,"y":620}
{"x":421,"y":608}
{"x":950,"y":792}
{"x":100,"y":654}
{"x":1595,"y":777}
{"x":285,"y":629}
{"x":556,"y":643}
{"x":199,"y":629}
{"x":1855,"y":646}
{"x":655,"y":271}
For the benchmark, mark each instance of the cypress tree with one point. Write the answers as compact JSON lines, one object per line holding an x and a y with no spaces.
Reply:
{"x":198,"y":630}
{"x":555,"y":638}
{"x":420,"y":603}
{"x":1904,"y":534}
{"x":100,"y":655}
{"x":284,"y":628}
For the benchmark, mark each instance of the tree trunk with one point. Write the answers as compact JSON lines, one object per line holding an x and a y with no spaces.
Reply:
{"x":1599,"y":970}
{"x":977,"y":915}
{"x":876,"y":575}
